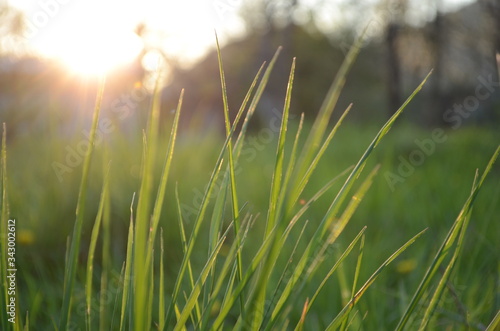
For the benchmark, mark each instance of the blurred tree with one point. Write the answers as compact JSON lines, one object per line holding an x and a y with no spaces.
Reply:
{"x":11,"y":29}
{"x":494,"y":10}
{"x":395,"y":22}
{"x":436,"y":36}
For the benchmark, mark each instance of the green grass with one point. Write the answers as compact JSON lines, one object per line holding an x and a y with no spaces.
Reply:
{"x":176,"y":231}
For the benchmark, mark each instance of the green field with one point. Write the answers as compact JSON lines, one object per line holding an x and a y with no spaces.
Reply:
{"x":421,"y":184}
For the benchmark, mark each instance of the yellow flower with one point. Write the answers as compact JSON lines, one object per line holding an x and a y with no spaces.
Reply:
{"x":406,"y":266}
{"x":25,"y":237}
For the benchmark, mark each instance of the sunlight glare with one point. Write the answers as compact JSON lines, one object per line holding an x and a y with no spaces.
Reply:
{"x":97,"y":53}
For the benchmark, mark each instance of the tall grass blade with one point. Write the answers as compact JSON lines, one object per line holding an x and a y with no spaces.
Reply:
{"x":160,"y":197}
{"x":445,"y":246}
{"x":184,"y":249}
{"x":234,"y":195}
{"x":127,"y":275}
{"x":280,"y":155}
{"x":355,"y":282}
{"x":4,"y":217}
{"x":161,"y":288}
{"x":104,"y":312}
{"x":215,"y":232}
{"x":93,"y":243}
{"x":257,"y":300}
{"x":142,"y":266}
{"x":495,"y":323}
{"x":69,"y":278}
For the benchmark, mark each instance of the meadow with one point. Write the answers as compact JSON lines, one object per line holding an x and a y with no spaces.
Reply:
{"x":306,"y":225}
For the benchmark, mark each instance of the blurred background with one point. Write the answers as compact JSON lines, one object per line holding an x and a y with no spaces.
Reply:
{"x":52,"y":53}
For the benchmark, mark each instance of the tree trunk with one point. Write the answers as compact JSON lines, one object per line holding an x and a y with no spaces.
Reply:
{"x":393,"y":67}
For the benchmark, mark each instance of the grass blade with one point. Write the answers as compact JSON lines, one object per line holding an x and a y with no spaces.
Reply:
{"x":280,"y":154}
{"x":234,"y":195}
{"x":355,"y":282}
{"x":495,"y":323}
{"x":4,"y":217}
{"x":127,"y":275}
{"x":184,"y":250}
{"x":93,"y":243}
{"x":104,"y":312}
{"x":257,"y":300}
{"x":160,"y":197}
{"x":142,"y":266}
{"x":69,"y":278}
{"x":161,"y":288}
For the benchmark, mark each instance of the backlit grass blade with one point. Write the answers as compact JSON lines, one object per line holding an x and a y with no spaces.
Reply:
{"x":289,"y":170}
{"x":142,"y":266}
{"x":445,"y":246}
{"x":161,"y":288}
{"x":280,"y":155}
{"x":69,"y":278}
{"x":495,"y":323}
{"x":104,"y":311}
{"x":343,"y":313}
{"x":127,"y":276}
{"x":160,"y":197}
{"x":216,"y":223}
{"x":4,"y":217}
{"x":232,"y":178}
{"x":355,"y":282}
{"x":93,"y":243}
{"x":257,"y":300}
{"x":184,"y":249}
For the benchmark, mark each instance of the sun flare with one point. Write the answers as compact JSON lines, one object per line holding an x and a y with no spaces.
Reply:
{"x":95,"y":52}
